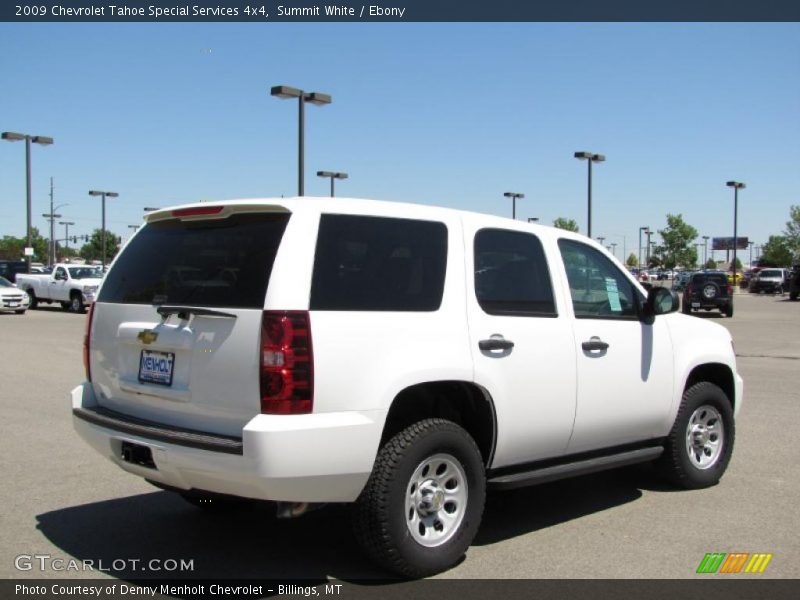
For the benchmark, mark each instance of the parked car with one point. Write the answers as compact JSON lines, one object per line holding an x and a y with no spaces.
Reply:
{"x":681,"y":278}
{"x":73,"y":286}
{"x":794,"y":283}
{"x":770,"y":281}
{"x":401,"y":358}
{"x":12,"y":299}
{"x":708,"y":290}
{"x":10,"y":268}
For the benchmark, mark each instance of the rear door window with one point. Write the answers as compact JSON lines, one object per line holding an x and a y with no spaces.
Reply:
{"x":214,"y":263}
{"x":378,"y":264}
{"x":511,"y":274}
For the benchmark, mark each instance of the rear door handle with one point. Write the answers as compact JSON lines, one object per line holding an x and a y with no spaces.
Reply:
{"x":594,"y":343}
{"x":497,"y":343}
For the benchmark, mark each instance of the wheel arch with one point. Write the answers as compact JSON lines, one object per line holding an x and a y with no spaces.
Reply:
{"x":464,"y":403}
{"x":719,"y":374}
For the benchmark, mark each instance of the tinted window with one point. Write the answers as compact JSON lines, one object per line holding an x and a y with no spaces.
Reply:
{"x":511,"y":274}
{"x":598,"y":288}
{"x":378,"y":264}
{"x":214,"y":263}
{"x":718,"y":278}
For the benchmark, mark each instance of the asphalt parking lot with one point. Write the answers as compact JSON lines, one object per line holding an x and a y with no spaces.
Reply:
{"x":62,"y":500}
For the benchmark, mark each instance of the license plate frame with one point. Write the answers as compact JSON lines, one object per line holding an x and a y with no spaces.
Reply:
{"x":159,"y":370}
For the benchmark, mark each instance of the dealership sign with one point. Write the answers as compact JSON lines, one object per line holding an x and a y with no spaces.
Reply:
{"x":726,"y":243}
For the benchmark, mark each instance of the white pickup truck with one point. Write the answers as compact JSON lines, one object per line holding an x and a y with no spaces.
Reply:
{"x":74,"y":286}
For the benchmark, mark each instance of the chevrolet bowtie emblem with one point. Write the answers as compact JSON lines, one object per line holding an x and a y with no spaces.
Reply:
{"x":147,"y":336}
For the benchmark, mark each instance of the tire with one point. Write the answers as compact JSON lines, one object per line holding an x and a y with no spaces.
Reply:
{"x":686,"y":308}
{"x":728,"y":310}
{"x":66,"y":306}
{"x":792,"y":295}
{"x":20,"y":312}
{"x":76,"y":303}
{"x":699,"y":446}
{"x":424,"y":500}
{"x":710,"y":290}
{"x":32,"y":301}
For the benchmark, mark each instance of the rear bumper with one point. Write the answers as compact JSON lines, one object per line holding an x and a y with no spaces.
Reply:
{"x":295,"y":458}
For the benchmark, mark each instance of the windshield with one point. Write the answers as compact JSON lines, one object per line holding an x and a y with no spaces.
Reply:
{"x":5,"y":282}
{"x":771,"y":273}
{"x":84,"y":272}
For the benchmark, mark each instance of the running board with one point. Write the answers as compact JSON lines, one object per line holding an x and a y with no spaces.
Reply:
{"x":571,"y":469}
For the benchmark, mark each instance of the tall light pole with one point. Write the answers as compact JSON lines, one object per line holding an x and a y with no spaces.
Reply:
{"x":750,"y":264}
{"x":736,"y":185}
{"x":333,"y":175}
{"x":134,"y":227}
{"x":533,"y":219}
{"x":705,"y":250}
{"x":513,"y":196}
{"x":591,"y":158}
{"x":66,"y":225}
{"x":51,"y":247}
{"x":641,"y":229}
{"x":317,"y":98}
{"x":648,"y":233}
{"x":110,"y":195}
{"x":10,"y":136}
{"x":614,"y":248}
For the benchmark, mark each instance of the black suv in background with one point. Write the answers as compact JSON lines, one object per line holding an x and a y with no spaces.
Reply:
{"x":794,"y":283}
{"x":10,"y":268}
{"x":708,"y":290}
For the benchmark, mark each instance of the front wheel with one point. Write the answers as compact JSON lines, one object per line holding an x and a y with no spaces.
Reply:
{"x":700,"y":444}
{"x":424,"y":500}
{"x":76,"y":303}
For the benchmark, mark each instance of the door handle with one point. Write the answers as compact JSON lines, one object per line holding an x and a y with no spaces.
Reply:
{"x":495,"y":343}
{"x":594,"y":343}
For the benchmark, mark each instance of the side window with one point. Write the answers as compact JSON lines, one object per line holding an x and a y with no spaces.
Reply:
{"x":61,"y":273}
{"x":511,"y":274}
{"x":378,"y":264}
{"x":598,"y":288}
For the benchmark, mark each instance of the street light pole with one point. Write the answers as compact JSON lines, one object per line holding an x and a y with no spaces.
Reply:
{"x":648,"y":233}
{"x":641,"y":229}
{"x":750,"y":264}
{"x":333,"y":175}
{"x":110,"y":195}
{"x":590,"y":157}
{"x":513,"y":196}
{"x":36,"y":139}
{"x":705,"y":250}
{"x":66,"y":225}
{"x":317,"y":98}
{"x":736,"y":185}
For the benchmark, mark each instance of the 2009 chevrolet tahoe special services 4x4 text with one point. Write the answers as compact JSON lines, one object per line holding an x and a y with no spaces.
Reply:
{"x":399,"y":357}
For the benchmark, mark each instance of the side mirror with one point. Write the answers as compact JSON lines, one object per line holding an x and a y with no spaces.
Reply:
{"x":660,"y":301}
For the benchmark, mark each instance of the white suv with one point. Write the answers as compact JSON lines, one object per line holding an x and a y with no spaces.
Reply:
{"x":396,"y":356}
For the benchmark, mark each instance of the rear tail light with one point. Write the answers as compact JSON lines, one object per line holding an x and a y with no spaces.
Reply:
{"x":730,"y":290}
{"x":86,"y":334}
{"x":688,"y":289}
{"x":287,"y":363}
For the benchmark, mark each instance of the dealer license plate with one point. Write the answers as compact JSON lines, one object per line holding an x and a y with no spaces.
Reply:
{"x":156,"y":367}
{"x":695,"y":305}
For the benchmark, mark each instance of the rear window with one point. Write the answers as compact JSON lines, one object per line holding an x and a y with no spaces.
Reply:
{"x":215,"y":263}
{"x":771,"y":273}
{"x":378,"y":264}
{"x":718,"y":278}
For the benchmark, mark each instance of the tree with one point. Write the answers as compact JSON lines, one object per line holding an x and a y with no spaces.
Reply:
{"x":711,"y":264}
{"x":792,"y":231}
{"x":93,"y":249}
{"x":13,"y":248}
{"x":568,"y":224}
{"x":776,"y":252}
{"x":677,"y":243}
{"x":633,"y":261}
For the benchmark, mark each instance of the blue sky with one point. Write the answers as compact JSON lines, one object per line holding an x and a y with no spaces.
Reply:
{"x":445,"y":114}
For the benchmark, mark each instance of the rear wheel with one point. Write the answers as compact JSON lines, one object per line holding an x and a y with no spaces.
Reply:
{"x":424,"y":500}
{"x":728,"y":310}
{"x":700,"y":444}
{"x":32,"y":301}
{"x":792,"y":295}
{"x":686,"y":308}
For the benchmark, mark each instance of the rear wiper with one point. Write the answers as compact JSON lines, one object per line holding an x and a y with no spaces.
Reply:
{"x":183,"y":312}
